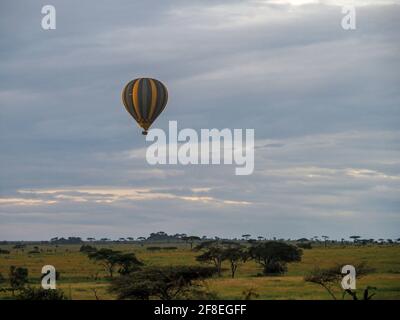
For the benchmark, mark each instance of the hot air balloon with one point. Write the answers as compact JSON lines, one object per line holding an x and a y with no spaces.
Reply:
{"x":144,"y":99}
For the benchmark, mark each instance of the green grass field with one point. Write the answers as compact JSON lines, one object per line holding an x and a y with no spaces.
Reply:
{"x":78,"y":273}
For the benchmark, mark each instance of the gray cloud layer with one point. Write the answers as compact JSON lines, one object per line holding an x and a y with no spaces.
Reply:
{"x":324,"y":103}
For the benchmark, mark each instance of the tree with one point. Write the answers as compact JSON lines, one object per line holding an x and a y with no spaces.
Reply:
{"x":165,"y":283}
{"x":214,"y":254}
{"x":246,"y":236}
{"x":235,"y":256}
{"x":190,"y":239}
{"x":366,"y":293}
{"x":90,"y":239}
{"x":355,"y":238}
{"x":128,"y":263}
{"x":107,"y":258}
{"x":325,"y":239}
{"x":274,"y":255}
{"x":69,"y":240}
{"x":18,"y":277}
{"x":330,"y":277}
{"x":141,"y":239}
{"x":110,"y":259}
{"x":218,"y":251}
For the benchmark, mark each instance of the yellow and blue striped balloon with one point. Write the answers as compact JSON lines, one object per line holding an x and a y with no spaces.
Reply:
{"x":145,"y":99}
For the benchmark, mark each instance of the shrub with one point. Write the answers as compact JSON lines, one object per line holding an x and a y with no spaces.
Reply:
{"x":87,"y":248}
{"x":165,"y":283}
{"x":305,"y":245}
{"x":153,"y":248}
{"x":30,"y":293}
{"x":18,"y":277}
{"x":274,"y":256}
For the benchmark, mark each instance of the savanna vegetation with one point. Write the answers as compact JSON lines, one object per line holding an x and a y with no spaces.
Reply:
{"x":164,"y":266}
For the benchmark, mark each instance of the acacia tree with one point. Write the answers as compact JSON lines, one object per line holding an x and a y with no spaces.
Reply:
{"x":107,"y":258}
{"x":128,"y":263}
{"x":235,"y":256}
{"x":214,"y":254}
{"x":165,"y":283}
{"x":325,"y":239}
{"x":190,"y":239}
{"x":329,"y":279}
{"x":18,"y":278}
{"x":217,"y":251}
{"x":274,"y":256}
{"x":110,"y":259}
{"x":355,"y":238}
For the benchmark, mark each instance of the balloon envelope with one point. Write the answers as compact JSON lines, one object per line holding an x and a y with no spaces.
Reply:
{"x":145,"y":99}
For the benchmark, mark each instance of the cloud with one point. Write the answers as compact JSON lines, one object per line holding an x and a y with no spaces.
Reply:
{"x":323,"y":103}
{"x":24,"y":202}
{"x":111,"y":195}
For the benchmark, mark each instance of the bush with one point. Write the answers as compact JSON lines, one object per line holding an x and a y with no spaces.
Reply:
{"x":328,"y":278}
{"x":153,"y":248}
{"x":2,"y":251}
{"x":18,"y":277}
{"x":165,"y":283}
{"x":110,"y":259}
{"x":41,"y":294}
{"x":274,"y":256}
{"x":87,"y":248}
{"x":305,"y":245}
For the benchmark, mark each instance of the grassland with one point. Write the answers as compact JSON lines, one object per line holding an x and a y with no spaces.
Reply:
{"x":81,"y":278}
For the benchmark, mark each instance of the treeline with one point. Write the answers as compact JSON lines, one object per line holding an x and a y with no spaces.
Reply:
{"x":164,"y":237}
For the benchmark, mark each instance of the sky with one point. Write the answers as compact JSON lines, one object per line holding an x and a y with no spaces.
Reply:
{"x":324,"y":103}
